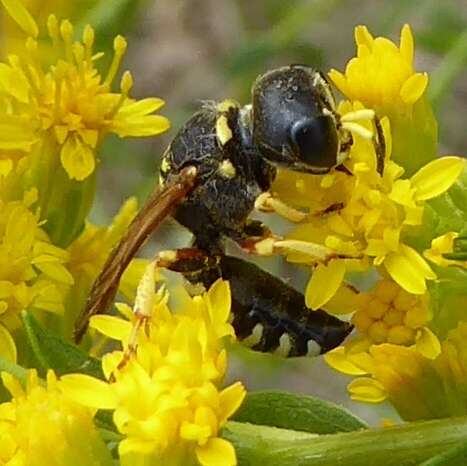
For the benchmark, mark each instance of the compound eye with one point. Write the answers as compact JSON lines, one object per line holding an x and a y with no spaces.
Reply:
{"x":314,"y":141}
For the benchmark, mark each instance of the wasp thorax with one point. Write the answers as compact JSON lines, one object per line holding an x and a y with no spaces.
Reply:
{"x":294,"y":122}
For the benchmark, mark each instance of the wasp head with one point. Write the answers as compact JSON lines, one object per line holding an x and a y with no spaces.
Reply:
{"x":295,"y":124}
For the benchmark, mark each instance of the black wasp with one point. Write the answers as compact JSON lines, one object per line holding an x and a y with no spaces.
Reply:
{"x":212,"y":173}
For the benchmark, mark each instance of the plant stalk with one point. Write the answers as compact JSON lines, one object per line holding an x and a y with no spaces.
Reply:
{"x":403,"y":445}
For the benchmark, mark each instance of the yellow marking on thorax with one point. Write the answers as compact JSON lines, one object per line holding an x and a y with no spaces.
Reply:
{"x":226,"y":169}
{"x":223,"y":132}
{"x":226,"y":105}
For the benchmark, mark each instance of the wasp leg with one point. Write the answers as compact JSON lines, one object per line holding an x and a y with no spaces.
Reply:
{"x":266,"y":202}
{"x":191,"y":263}
{"x":140,"y":322}
{"x":262,"y":243}
{"x":184,"y":260}
{"x":336,"y":207}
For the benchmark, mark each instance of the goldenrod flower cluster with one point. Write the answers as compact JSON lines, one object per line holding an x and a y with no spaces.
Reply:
{"x":391,"y":314}
{"x":33,"y":272}
{"x":68,"y":105}
{"x":364,"y":218}
{"x":419,"y":387}
{"x":40,"y":426}
{"x":165,"y":397}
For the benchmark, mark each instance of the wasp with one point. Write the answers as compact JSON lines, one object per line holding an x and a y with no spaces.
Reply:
{"x":212,"y":174}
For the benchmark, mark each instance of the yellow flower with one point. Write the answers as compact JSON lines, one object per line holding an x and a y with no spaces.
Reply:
{"x":41,"y":427}
{"x":12,"y":37}
{"x":32,"y":270}
{"x":164,"y":395}
{"x":388,"y":314}
{"x":361,"y":219}
{"x":417,"y":386}
{"x":69,"y":105}
{"x":441,"y":245}
{"x":381,"y":76}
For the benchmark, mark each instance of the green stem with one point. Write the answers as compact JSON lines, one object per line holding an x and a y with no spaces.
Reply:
{"x":452,"y":64}
{"x":403,"y":445}
{"x":19,"y":372}
{"x":456,"y":456}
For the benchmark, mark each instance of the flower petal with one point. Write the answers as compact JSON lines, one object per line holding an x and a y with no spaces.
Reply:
{"x":324,"y":282}
{"x":337,"y":359}
{"x":414,"y":88}
{"x":408,"y":269}
{"x":147,"y":125}
{"x":339,"y":80}
{"x":417,"y":260}
{"x":88,"y":391}
{"x":436,"y":177}
{"x":77,"y":159}
{"x":7,"y":345}
{"x":217,"y":452}
{"x":112,"y":327}
{"x":141,"y":107}
{"x":55,"y":271}
{"x":343,"y":302}
{"x":21,"y":16}
{"x":230,"y":400}
{"x":427,"y":343}
{"x":367,"y":389}
{"x":219,"y":301}
{"x":406,"y":44}
{"x":363,"y":36}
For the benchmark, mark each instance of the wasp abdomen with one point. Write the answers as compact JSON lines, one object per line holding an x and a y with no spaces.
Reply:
{"x":270,"y":316}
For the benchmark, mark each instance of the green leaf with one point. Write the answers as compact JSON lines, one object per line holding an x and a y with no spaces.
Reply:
{"x":55,"y":353}
{"x":456,"y":456}
{"x":297,"y":412}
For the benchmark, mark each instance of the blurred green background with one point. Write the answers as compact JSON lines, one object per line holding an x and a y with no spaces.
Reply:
{"x":186,"y":51}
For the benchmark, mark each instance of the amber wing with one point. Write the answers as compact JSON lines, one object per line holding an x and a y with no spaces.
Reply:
{"x":160,"y":204}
